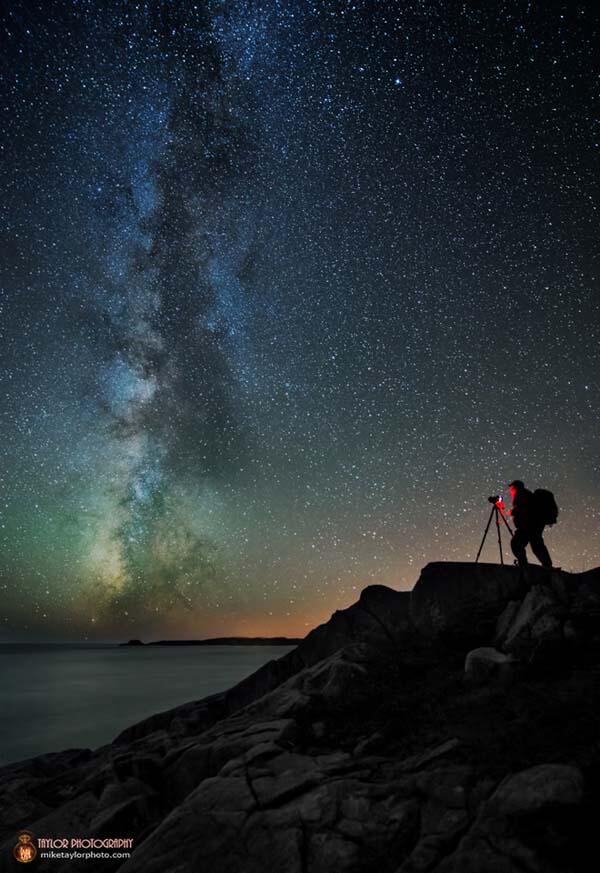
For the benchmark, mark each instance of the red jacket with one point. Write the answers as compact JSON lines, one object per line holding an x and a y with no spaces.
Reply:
{"x":522,"y":512}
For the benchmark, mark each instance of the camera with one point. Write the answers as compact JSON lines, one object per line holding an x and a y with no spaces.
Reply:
{"x":494,"y":499}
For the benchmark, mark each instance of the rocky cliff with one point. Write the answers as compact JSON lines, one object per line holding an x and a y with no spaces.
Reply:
{"x":452,"y":728}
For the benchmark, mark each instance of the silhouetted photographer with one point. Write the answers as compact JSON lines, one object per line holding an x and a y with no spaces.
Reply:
{"x":531,"y":512}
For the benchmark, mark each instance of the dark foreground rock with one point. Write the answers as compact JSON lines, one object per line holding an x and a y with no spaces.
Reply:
{"x":367,"y":748}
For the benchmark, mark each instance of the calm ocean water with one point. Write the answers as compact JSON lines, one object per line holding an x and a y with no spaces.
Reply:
{"x":55,"y":697}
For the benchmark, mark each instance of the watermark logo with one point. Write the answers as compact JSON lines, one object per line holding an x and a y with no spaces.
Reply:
{"x":25,"y":850}
{"x":70,"y":848}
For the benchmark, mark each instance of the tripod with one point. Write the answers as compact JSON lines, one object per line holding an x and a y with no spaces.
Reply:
{"x":497,"y":514}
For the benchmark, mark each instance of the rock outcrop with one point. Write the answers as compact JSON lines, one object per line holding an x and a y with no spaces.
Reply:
{"x":460,"y":602}
{"x":366,"y":748}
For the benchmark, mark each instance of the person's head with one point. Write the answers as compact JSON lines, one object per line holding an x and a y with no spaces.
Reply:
{"x":515,"y":487}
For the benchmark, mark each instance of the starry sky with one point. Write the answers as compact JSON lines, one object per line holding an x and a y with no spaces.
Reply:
{"x":288,"y":289}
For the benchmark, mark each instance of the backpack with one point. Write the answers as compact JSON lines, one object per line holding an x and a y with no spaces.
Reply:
{"x":545,"y":508}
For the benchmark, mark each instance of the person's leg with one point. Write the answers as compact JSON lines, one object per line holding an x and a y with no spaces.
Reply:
{"x":518,"y":543}
{"x":538,"y":547}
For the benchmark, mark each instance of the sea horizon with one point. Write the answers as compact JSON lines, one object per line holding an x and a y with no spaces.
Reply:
{"x":180,"y":640}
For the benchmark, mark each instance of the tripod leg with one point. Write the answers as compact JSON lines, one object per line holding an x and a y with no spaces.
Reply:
{"x":508,"y":527}
{"x":487,"y":527}
{"x":499,"y":536}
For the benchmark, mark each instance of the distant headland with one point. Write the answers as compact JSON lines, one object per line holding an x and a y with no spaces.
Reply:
{"x":222,"y":641}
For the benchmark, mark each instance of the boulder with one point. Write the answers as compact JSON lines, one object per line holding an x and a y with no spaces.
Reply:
{"x":487,"y":666}
{"x":526,"y":824}
{"x":535,"y":788}
{"x":538,"y":620}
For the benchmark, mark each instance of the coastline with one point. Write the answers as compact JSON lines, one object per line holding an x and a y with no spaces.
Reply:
{"x":452,"y":727}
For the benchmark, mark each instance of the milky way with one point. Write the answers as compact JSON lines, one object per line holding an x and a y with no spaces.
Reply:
{"x":288,"y":289}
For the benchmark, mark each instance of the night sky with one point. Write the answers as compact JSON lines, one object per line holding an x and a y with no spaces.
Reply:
{"x":288,"y":289}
